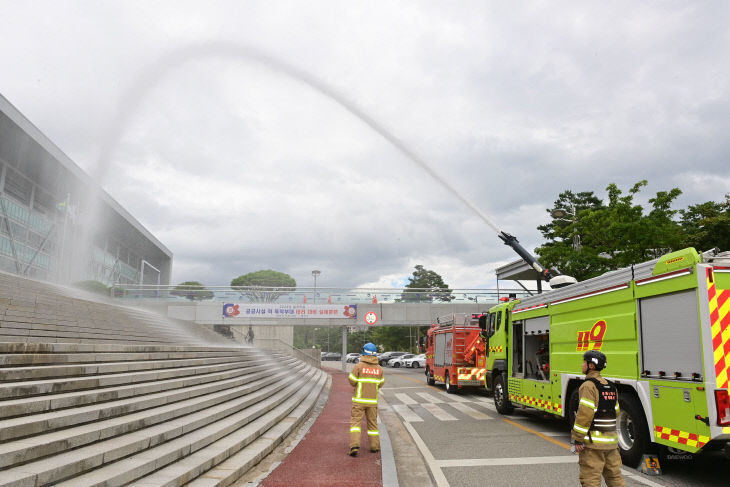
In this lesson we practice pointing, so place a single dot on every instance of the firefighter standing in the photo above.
(594, 431)
(367, 378)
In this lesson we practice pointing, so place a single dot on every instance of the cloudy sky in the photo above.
(249, 135)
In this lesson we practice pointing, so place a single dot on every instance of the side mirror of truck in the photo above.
(483, 322)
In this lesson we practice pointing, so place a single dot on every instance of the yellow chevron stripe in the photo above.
(719, 352)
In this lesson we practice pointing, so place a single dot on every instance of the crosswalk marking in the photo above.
(487, 403)
(438, 404)
(449, 398)
(406, 413)
(470, 411)
(405, 398)
(430, 398)
(438, 412)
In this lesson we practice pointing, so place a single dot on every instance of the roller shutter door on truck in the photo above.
(670, 334)
(439, 349)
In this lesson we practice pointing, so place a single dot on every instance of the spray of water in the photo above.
(133, 98)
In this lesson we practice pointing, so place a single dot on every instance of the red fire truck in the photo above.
(453, 346)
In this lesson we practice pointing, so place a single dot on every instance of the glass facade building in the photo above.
(44, 233)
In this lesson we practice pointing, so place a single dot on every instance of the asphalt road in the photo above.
(459, 440)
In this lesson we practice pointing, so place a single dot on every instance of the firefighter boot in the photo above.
(353, 451)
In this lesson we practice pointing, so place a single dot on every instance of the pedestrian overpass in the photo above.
(270, 314)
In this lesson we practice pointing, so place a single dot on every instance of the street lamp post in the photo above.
(563, 214)
(315, 273)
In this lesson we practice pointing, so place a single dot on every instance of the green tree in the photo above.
(398, 338)
(357, 339)
(707, 225)
(192, 290)
(564, 249)
(613, 235)
(263, 286)
(426, 286)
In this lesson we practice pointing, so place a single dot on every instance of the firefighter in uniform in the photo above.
(594, 432)
(367, 378)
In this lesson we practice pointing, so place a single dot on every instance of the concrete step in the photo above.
(52, 443)
(19, 374)
(20, 359)
(81, 460)
(35, 311)
(63, 348)
(51, 402)
(24, 426)
(11, 390)
(26, 329)
(226, 460)
(196, 452)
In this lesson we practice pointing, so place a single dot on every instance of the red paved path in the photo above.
(320, 458)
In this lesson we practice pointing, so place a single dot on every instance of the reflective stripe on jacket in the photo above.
(587, 407)
(367, 378)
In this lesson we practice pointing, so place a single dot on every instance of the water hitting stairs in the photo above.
(93, 394)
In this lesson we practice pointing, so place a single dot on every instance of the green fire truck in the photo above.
(664, 326)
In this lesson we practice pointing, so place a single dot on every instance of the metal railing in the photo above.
(281, 346)
(298, 295)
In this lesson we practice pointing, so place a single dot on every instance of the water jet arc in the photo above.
(132, 99)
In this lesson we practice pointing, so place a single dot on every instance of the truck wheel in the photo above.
(451, 389)
(572, 411)
(429, 377)
(501, 401)
(633, 433)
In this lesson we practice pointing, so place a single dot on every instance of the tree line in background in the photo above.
(587, 236)
(387, 338)
(260, 286)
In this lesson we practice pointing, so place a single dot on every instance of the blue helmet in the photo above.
(369, 349)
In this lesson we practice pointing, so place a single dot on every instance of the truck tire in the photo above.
(429, 377)
(572, 411)
(633, 433)
(501, 400)
(450, 388)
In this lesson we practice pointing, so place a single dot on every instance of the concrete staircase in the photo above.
(85, 406)
(39, 312)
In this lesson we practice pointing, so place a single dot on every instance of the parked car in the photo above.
(416, 361)
(332, 356)
(399, 361)
(383, 358)
(352, 358)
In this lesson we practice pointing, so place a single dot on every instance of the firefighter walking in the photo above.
(367, 378)
(594, 432)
